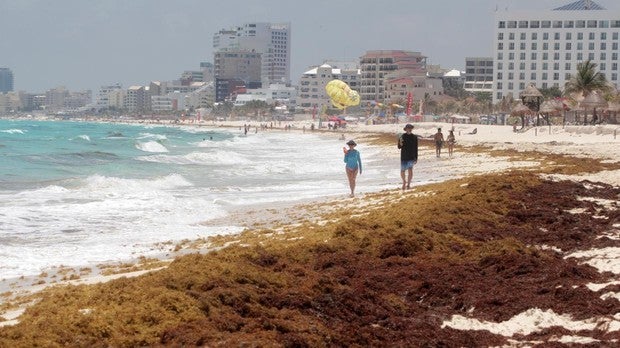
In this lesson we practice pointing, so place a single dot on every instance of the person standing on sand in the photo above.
(353, 164)
(408, 145)
(438, 137)
(451, 140)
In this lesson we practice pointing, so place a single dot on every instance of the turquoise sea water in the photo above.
(79, 193)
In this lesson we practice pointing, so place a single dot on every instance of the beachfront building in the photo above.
(271, 40)
(375, 66)
(103, 96)
(312, 94)
(235, 69)
(276, 94)
(544, 47)
(136, 99)
(9, 102)
(6, 80)
(478, 74)
(397, 88)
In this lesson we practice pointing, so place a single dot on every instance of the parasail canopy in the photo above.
(341, 95)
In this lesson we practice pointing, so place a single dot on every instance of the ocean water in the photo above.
(80, 194)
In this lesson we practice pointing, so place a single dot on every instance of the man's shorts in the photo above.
(404, 165)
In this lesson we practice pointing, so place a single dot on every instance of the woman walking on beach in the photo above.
(451, 140)
(353, 164)
(408, 145)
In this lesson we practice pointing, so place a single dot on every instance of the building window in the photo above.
(534, 55)
(591, 56)
(592, 24)
(556, 66)
(567, 56)
(511, 56)
(545, 56)
(614, 66)
(545, 66)
(569, 36)
(591, 36)
(522, 55)
(522, 85)
(500, 45)
(512, 24)
(569, 24)
(545, 24)
(557, 24)
(567, 76)
(615, 24)
(556, 46)
(579, 36)
(566, 66)
(510, 85)
(500, 36)
(545, 36)
(511, 76)
(500, 56)
(614, 56)
(511, 36)
(533, 66)
(544, 85)
(579, 46)
(511, 46)
(500, 76)
(614, 36)
(534, 36)
(499, 94)
(580, 24)
(522, 66)
(522, 24)
(603, 67)
(556, 56)
(579, 56)
(556, 76)
(556, 36)
(614, 77)
(500, 65)
(603, 46)
(534, 46)
(603, 56)
(568, 46)
(545, 46)
(614, 46)
(603, 36)
(511, 66)
(544, 76)
(533, 76)
(534, 24)
(522, 36)
(522, 46)
(522, 76)
(499, 85)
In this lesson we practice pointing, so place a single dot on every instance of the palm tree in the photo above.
(586, 81)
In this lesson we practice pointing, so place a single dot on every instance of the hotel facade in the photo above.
(544, 47)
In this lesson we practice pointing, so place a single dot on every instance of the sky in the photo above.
(84, 44)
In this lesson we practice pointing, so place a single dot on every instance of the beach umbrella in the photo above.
(520, 110)
(592, 101)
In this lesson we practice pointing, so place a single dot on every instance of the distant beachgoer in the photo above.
(451, 140)
(408, 145)
(342, 136)
(438, 137)
(353, 164)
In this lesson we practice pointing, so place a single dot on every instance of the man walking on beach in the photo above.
(408, 145)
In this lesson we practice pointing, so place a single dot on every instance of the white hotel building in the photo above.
(544, 47)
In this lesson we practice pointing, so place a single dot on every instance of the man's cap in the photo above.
(408, 126)
(351, 142)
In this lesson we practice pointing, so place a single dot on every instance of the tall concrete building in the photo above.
(544, 47)
(271, 40)
(6, 80)
(378, 66)
(478, 74)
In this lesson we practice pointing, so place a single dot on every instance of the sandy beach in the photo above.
(573, 171)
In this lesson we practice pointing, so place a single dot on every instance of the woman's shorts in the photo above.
(404, 165)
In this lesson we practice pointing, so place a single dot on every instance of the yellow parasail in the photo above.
(341, 95)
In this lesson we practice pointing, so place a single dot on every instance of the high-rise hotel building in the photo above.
(544, 47)
(271, 40)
